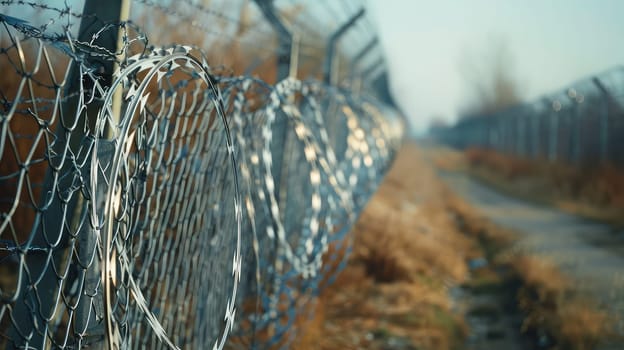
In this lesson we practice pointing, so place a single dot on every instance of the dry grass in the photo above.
(412, 242)
(446, 159)
(548, 300)
(551, 305)
(407, 253)
(593, 191)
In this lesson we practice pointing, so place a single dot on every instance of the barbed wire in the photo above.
(579, 124)
(144, 208)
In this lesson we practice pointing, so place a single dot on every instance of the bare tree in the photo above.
(490, 80)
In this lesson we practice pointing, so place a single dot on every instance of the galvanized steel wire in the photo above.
(150, 223)
(579, 124)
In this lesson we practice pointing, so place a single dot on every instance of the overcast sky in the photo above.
(552, 43)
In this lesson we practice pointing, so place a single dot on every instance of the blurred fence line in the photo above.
(581, 125)
(152, 199)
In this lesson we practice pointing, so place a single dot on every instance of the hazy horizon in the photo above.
(552, 44)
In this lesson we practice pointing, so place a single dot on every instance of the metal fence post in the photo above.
(538, 148)
(285, 37)
(575, 127)
(330, 77)
(31, 319)
(107, 12)
(580, 128)
(553, 148)
(284, 141)
(509, 135)
(611, 104)
(519, 135)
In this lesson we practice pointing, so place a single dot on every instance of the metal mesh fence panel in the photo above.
(578, 125)
(150, 200)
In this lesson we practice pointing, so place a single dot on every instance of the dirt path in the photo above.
(410, 281)
(589, 252)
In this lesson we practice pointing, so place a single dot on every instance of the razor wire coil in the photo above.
(146, 212)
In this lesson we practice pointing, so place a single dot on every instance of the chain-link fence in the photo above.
(153, 200)
(579, 125)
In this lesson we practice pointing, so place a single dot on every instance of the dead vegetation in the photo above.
(412, 245)
(596, 192)
(555, 314)
(406, 255)
(554, 311)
